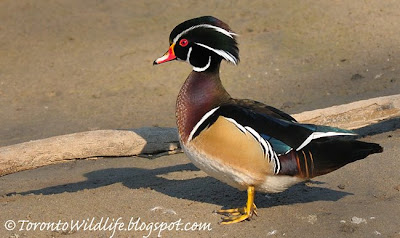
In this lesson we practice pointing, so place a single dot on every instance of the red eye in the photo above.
(183, 42)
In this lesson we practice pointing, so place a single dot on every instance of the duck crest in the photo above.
(201, 92)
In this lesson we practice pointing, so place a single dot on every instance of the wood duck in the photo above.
(244, 143)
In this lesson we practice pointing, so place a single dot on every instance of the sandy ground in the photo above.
(359, 200)
(69, 66)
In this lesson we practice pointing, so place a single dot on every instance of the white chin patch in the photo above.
(201, 69)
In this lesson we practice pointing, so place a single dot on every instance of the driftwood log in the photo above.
(354, 115)
(89, 144)
(153, 140)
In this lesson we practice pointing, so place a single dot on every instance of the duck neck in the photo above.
(201, 92)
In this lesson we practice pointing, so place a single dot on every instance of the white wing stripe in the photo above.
(207, 115)
(265, 145)
(260, 140)
(243, 129)
(269, 151)
(316, 135)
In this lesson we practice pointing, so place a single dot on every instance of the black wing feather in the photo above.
(263, 109)
(271, 123)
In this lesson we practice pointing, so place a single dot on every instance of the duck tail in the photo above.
(324, 156)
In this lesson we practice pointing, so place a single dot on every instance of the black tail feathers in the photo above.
(363, 149)
(324, 156)
(331, 155)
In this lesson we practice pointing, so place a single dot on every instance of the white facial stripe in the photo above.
(188, 55)
(198, 69)
(316, 135)
(224, 54)
(207, 115)
(219, 29)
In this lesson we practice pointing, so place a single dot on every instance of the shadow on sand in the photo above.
(203, 189)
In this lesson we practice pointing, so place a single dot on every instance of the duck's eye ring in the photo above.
(183, 42)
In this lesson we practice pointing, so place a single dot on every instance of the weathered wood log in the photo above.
(91, 144)
(354, 115)
(58, 149)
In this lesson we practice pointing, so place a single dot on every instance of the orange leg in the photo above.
(240, 214)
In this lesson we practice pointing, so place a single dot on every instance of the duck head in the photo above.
(202, 42)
